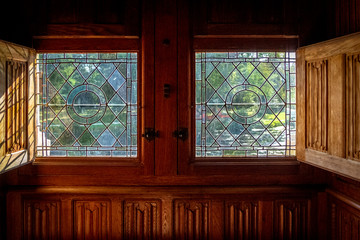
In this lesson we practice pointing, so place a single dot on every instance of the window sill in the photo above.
(13, 160)
(88, 161)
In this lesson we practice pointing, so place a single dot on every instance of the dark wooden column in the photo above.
(165, 75)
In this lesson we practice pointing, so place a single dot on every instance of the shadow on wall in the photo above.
(13, 160)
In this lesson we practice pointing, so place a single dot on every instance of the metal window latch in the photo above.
(181, 133)
(150, 134)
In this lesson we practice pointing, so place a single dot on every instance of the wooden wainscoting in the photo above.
(162, 213)
(345, 216)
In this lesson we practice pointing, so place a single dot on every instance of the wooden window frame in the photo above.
(231, 166)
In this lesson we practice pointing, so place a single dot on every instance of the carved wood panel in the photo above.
(353, 106)
(292, 219)
(142, 219)
(317, 105)
(41, 219)
(241, 220)
(191, 219)
(345, 219)
(92, 219)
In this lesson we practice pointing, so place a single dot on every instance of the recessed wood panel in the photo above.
(353, 106)
(241, 220)
(41, 219)
(92, 219)
(344, 218)
(292, 219)
(142, 219)
(191, 219)
(317, 105)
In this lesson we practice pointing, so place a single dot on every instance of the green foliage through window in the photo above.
(245, 104)
(87, 104)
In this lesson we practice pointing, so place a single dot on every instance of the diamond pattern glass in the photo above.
(245, 104)
(87, 104)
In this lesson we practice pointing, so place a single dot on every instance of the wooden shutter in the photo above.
(328, 105)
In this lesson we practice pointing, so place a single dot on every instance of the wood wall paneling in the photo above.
(353, 106)
(191, 219)
(41, 219)
(241, 220)
(292, 219)
(345, 217)
(142, 219)
(92, 219)
(317, 105)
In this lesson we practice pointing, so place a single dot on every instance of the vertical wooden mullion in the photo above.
(147, 102)
(166, 73)
(186, 84)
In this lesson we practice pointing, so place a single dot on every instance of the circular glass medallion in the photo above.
(246, 103)
(86, 104)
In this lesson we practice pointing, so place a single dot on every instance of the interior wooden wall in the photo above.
(101, 203)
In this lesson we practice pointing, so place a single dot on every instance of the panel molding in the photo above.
(317, 105)
(345, 216)
(241, 220)
(142, 219)
(41, 219)
(191, 219)
(92, 219)
(353, 106)
(292, 219)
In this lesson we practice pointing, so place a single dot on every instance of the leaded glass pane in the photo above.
(245, 104)
(87, 104)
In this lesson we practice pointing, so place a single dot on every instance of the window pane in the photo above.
(245, 104)
(87, 104)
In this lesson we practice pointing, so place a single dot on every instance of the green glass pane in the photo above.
(77, 129)
(246, 139)
(75, 79)
(96, 129)
(245, 68)
(122, 116)
(122, 68)
(65, 90)
(56, 127)
(268, 90)
(63, 115)
(108, 90)
(57, 103)
(116, 104)
(96, 78)
(66, 139)
(266, 69)
(116, 128)
(266, 139)
(86, 139)
(235, 78)
(56, 80)
(107, 55)
(215, 79)
(256, 78)
(66, 69)
(225, 69)
(108, 117)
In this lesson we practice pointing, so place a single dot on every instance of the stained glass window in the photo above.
(87, 104)
(245, 104)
